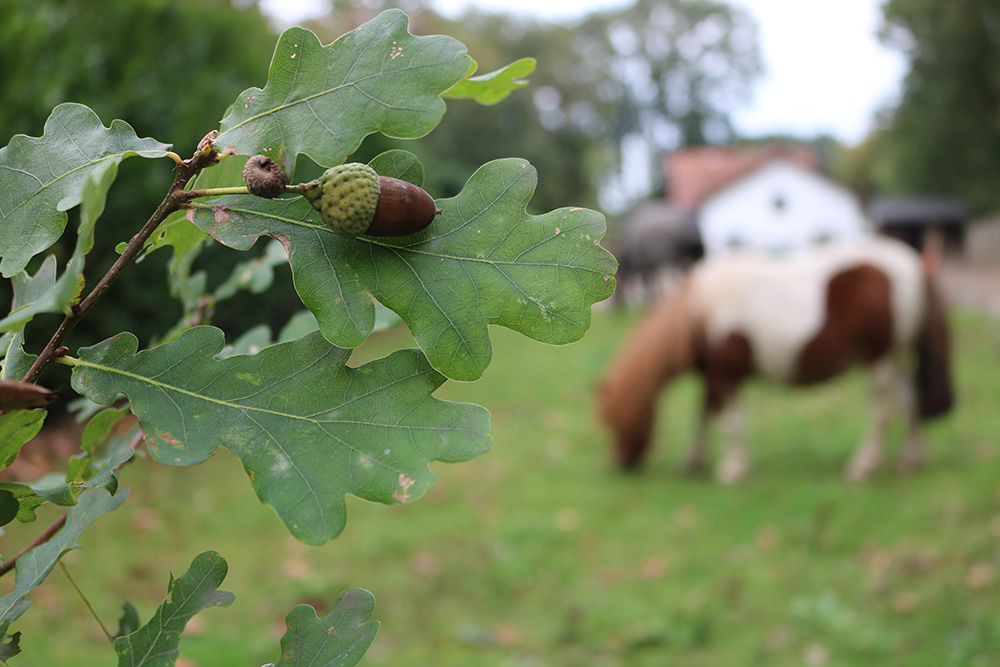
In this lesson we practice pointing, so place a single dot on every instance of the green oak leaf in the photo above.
(27, 500)
(324, 100)
(128, 622)
(16, 362)
(157, 644)
(489, 89)
(43, 177)
(254, 276)
(300, 324)
(84, 472)
(482, 261)
(17, 427)
(10, 645)
(35, 565)
(99, 428)
(339, 639)
(252, 341)
(9, 507)
(307, 428)
(43, 292)
(400, 164)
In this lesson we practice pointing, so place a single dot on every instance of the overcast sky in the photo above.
(825, 70)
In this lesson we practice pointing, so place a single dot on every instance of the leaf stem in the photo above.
(212, 192)
(188, 195)
(186, 170)
(86, 602)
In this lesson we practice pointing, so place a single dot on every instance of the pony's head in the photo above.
(659, 348)
(629, 423)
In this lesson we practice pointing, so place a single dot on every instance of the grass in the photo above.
(538, 553)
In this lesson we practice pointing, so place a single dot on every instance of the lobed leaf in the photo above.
(492, 88)
(34, 566)
(339, 639)
(43, 292)
(322, 101)
(482, 261)
(43, 177)
(157, 644)
(27, 500)
(10, 645)
(307, 428)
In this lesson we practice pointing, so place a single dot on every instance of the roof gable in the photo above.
(695, 174)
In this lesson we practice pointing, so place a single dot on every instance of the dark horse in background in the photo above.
(798, 320)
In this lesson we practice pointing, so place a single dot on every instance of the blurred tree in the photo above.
(170, 68)
(944, 136)
(671, 71)
(662, 73)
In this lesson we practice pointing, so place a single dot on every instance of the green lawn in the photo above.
(539, 553)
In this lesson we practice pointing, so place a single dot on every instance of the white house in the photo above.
(778, 207)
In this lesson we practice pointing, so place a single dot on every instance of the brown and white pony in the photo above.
(797, 320)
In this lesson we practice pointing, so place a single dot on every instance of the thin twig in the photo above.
(44, 537)
(86, 602)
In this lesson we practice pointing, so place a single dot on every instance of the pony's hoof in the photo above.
(731, 472)
(859, 473)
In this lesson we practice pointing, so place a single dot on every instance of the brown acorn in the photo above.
(264, 177)
(17, 395)
(353, 200)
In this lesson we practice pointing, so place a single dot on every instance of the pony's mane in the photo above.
(661, 347)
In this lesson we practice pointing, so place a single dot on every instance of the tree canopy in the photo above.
(944, 136)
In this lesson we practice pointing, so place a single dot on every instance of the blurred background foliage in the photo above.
(943, 136)
(169, 68)
(658, 74)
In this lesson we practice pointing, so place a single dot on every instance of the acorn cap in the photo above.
(345, 197)
(264, 177)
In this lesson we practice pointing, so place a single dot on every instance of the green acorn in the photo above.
(352, 200)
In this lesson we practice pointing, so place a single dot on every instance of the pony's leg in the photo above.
(697, 460)
(883, 377)
(912, 454)
(734, 464)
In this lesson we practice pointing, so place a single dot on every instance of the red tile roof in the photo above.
(694, 174)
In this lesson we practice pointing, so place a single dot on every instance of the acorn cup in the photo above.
(264, 177)
(352, 200)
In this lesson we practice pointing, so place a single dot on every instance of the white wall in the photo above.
(777, 209)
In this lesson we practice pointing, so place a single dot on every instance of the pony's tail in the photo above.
(933, 373)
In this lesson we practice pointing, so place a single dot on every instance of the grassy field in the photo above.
(538, 553)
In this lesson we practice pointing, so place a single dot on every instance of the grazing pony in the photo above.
(797, 320)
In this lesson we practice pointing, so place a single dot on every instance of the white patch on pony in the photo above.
(779, 304)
